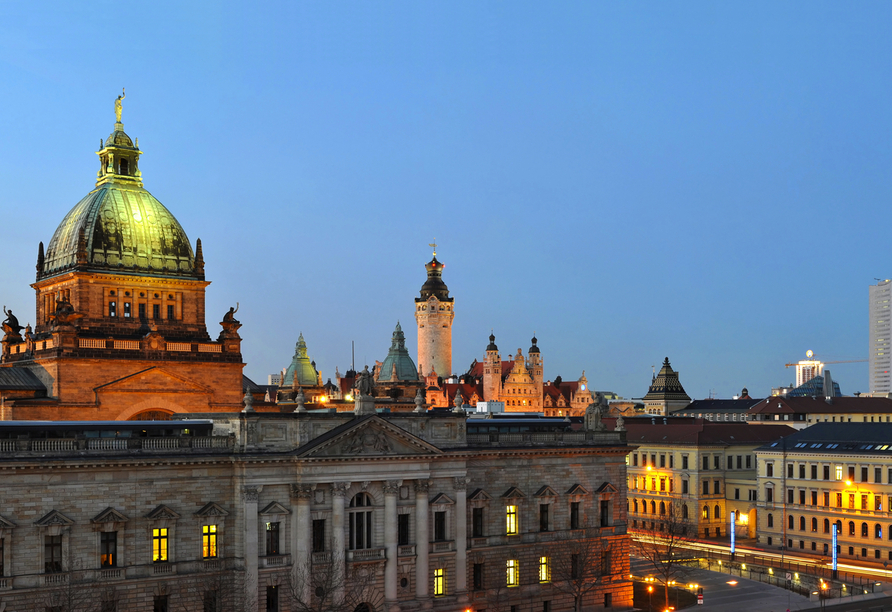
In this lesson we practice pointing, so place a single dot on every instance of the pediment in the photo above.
(577, 489)
(479, 495)
(545, 491)
(53, 517)
(152, 380)
(109, 515)
(6, 523)
(162, 512)
(275, 508)
(367, 436)
(607, 488)
(212, 509)
(513, 492)
(441, 499)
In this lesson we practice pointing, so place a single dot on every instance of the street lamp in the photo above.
(650, 598)
(823, 595)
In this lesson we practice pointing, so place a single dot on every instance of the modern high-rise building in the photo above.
(880, 357)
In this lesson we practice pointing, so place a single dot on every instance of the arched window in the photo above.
(684, 511)
(706, 512)
(123, 167)
(791, 522)
(851, 528)
(771, 520)
(653, 507)
(801, 523)
(662, 508)
(878, 531)
(717, 513)
(863, 530)
(826, 525)
(839, 527)
(814, 525)
(635, 503)
(361, 522)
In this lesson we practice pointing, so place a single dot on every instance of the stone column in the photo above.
(391, 489)
(460, 484)
(338, 543)
(301, 562)
(251, 496)
(422, 541)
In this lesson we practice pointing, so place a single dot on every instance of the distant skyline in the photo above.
(708, 182)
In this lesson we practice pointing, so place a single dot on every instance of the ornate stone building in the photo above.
(270, 511)
(120, 320)
(434, 312)
(665, 395)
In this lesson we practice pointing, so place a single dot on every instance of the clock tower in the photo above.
(434, 313)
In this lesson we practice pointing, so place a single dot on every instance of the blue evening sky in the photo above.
(704, 181)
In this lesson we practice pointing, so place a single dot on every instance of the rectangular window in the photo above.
(159, 604)
(477, 522)
(272, 599)
(736, 493)
(543, 517)
(159, 545)
(790, 470)
(769, 494)
(546, 606)
(769, 469)
(605, 563)
(802, 471)
(605, 512)
(864, 504)
(852, 473)
(878, 475)
(838, 472)
(574, 566)
(272, 538)
(863, 474)
(671, 462)
(478, 576)
(112, 309)
(635, 459)
(801, 497)
(839, 500)
(512, 573)
(851, 501)
(739, 462)
(544, 570)
(318, 535)
(684, 462)
(142, 311)
(705, 462)
(127, 312)
(439, 526)
(653, 460)
(684, 487)
(716, 487)
(574, 515)
(511, 520)
(749, 461)
(402, 528)
(717, 462)
(209, 541)
(878, 502)
(156, 311)
(705, 487)
(814, 498)
(439, 582)
(108, 549)
(814, 472)
(171, 313)
(826, 498)
(662, 484)
(789, 496)
(826, 472)
(662, 460)
(52, 554)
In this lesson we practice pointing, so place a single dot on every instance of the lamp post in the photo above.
(823, 595)
(650, 598)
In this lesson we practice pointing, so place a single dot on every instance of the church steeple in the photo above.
(118, 155)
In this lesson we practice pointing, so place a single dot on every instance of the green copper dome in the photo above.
(398, 358)
(302, 366)
(119, 226)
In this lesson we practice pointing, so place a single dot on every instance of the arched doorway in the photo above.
(364, 607)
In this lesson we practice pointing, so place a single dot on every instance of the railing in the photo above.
(53, 579)
(321, 557)
(62, 444)
(5, 583)
(275, 560)
(478, 542)
(212, 565)
(42, 445)
(406, 551)
(162, 568)
(160, 443)
(126, 345)
(91, 343)
(111, 574)
(210, 348)
(7, 446)
(529, 438)
(107, 444)
(210, 442)
(442, 547)
(367, 554)
(179, 346)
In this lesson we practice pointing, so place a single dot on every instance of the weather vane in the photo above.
(433, 245)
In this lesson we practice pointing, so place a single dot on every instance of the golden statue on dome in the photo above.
(119, 106)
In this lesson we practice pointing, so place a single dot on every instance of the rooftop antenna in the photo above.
(353, 355)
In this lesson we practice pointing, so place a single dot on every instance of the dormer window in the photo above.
(123, 167)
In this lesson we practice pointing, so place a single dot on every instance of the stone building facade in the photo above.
(434, 312)
(256, 511)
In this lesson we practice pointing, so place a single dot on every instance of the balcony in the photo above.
(162, 569)
(112, 573)
(441, 547)
(275, 561)
(405, 551)
(366, 554)
(321, 558)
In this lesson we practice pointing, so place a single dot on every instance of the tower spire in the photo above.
(433, 245)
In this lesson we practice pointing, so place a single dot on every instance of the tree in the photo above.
(659, 541)
(577, 565)
(326, 587)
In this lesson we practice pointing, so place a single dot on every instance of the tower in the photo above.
(879, 352)
(536, 367)
(492, 372)
(434, 314)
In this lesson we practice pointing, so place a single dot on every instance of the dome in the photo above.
(398, 360)
(434, 285)
(118, 138)
(301, 366)
(125, 228)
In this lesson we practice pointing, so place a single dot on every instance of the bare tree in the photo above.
(660, 540)
(577, 565)
(73, 590)
(220, 591)
(325, 587)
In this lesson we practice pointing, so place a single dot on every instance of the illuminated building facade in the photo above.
(665, 395)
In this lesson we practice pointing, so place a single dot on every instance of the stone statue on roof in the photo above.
(363, 382)
(11, 324)
(65, 316)
(119, 106)
(593, 418)
(230, 324)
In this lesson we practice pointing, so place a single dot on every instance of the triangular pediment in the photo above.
(479, 495)
(607, 488)
(441, 499)
(152, 380)
(367, 436)
(6, 523)
(109, 515)
(212, 509)
(513, 492)
(577, 489)
(162, 512)
(53, 517)
(275, 508)
(545, 491)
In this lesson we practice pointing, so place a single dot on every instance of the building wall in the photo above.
(879, 350)
(434, 319)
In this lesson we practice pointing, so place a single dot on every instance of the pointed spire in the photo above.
(199, 258)
(40, 259)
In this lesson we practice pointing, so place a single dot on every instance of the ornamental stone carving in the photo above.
(460, 483)
(392, 487)
(339, 489)
(301, 491)
(422, 486)
(251, 494)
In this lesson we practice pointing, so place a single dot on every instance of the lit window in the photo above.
(108, 548)
(439, 582)
(513, 578)
(511, 520)
(209, 541)
(159, 545)
(838, 472)
(544, 570)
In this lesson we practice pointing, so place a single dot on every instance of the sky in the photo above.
(708, 182)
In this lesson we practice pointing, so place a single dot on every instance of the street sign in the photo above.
(700, 596)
